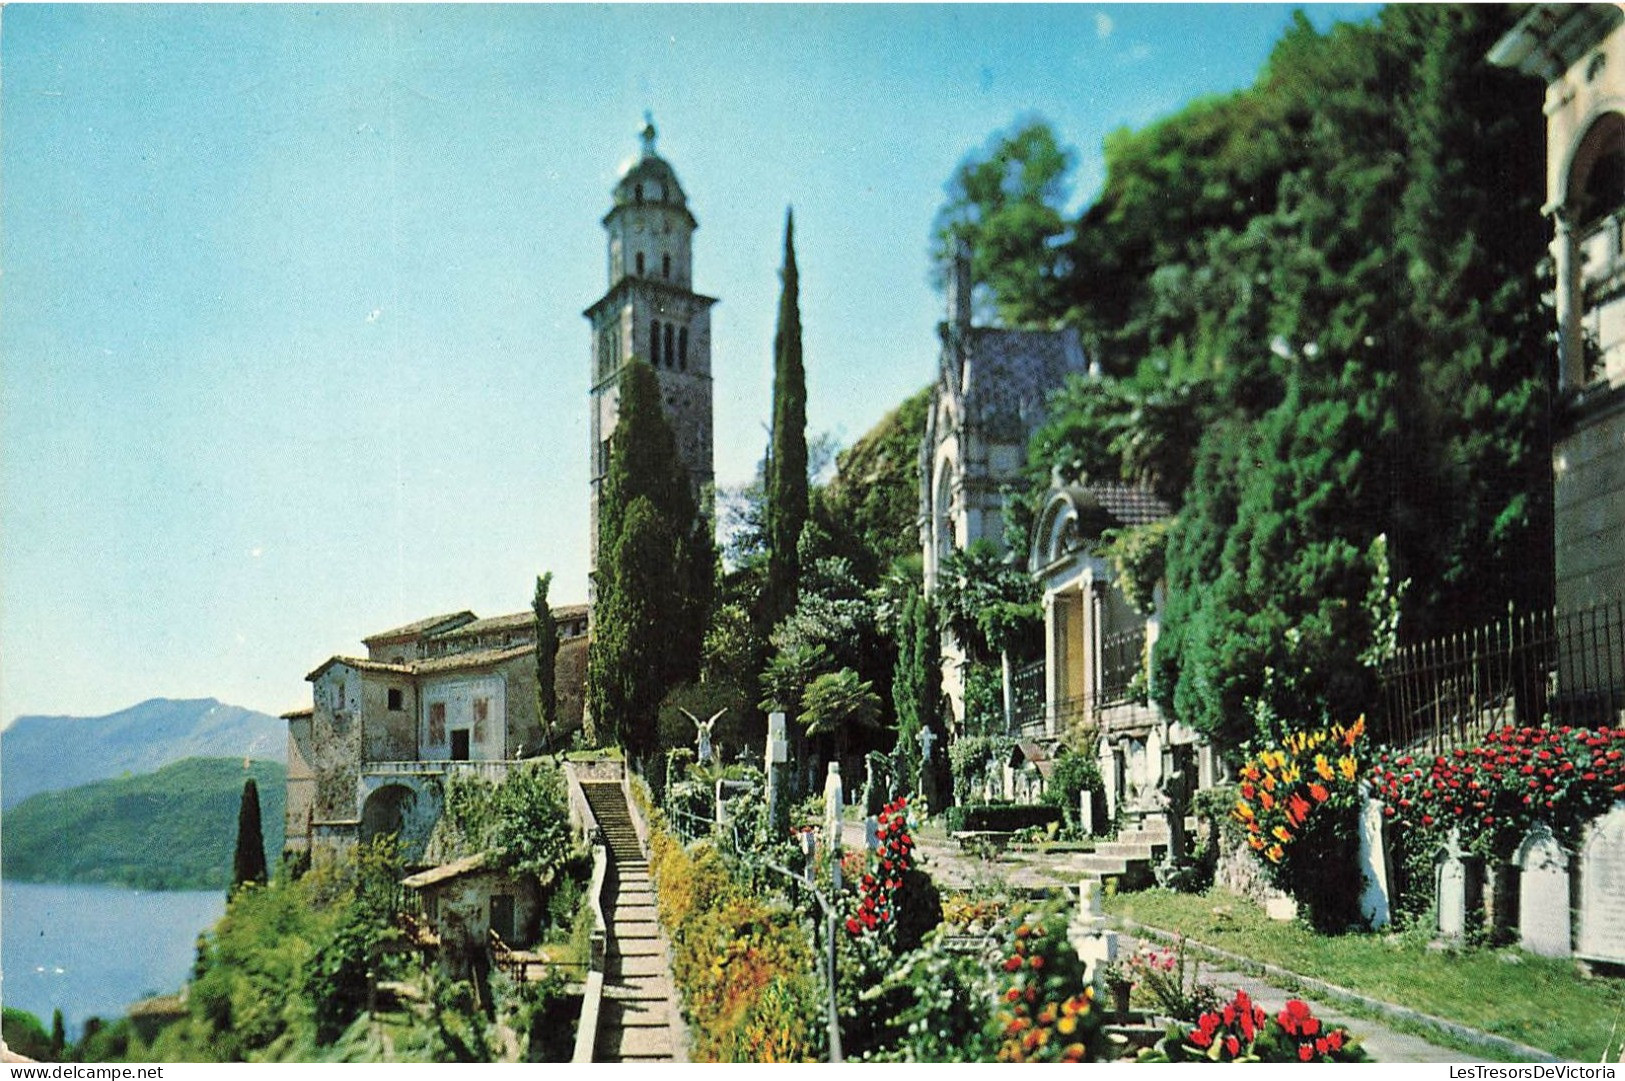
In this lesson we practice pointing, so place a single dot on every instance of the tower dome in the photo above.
(648, 178)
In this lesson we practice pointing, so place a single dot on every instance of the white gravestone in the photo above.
(1602, 889)
(1373, 867)
(1095, 943)
(1543, 894)
(1452, 883)
(834, 796)
(1108, 776)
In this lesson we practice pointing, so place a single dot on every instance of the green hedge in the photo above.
(1004, 817)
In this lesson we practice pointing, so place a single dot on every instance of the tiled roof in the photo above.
(453, 662)
(1128, 504)
(445, 872)
(516, 621)
(361, 664)
(1013, 373)
(430, 625)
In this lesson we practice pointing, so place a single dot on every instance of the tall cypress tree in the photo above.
(917, 687)
(547, 655)
(787, 459)
(248, 862)
(656, 561)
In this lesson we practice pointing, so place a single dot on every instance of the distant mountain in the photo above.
(45, 754)
(175, 829)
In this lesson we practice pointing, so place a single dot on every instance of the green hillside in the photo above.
(170, 830)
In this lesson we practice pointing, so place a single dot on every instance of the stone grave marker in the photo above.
(1602, 889)
(1373, 867)
(1543, 894)
(1452, 886)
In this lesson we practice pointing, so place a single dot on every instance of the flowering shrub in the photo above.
(1282, 786)
(964, 914)
(1494, 793)
(744, 966)
(878, 888)
(1298, 806)
(1045, 1011)
(1515, 777)
(1243, 1031)
(1158, 974)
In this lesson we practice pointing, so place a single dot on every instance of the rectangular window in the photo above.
(437, 723)
(396, 699)
(682, 348)
(669, 352)
(654, 342)
(459, 745)
(482, 711)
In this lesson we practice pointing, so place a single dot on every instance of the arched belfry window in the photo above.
(669, 352)
(665, 265)
(640, 264)
(682, 348)
(654, 342)
(1596, 182)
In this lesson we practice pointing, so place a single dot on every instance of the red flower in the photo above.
(1232, 1046)
(1305, 1052)
(1012, 963)
(853, 926)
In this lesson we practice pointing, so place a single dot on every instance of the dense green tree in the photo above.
(838, 704)
(786, 484)
(656, 570)
(1315, 302)
(1005, 205)
(248, 861)
(917, 685)
(874, 498)
(59, 1035)
(547, 656)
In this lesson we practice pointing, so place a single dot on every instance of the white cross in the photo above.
(927, 739)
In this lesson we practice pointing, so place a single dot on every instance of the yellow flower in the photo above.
(1067, 1025)
(1323, 767)
(1243, 810)
(1347, 767)
(1290, 775)
(1282, 834)
(1274, 853)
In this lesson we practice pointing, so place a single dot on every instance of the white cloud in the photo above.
(375, 315)
(1103, 25)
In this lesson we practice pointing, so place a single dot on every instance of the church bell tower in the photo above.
(652, 313)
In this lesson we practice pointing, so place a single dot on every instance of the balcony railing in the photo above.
(493, 770)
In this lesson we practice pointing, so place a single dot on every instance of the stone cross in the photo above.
(927, 739)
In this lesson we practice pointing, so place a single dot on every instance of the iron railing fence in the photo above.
(1122, 665)
(1527, 668)
(1122, 674)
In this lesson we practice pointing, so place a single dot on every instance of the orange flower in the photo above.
(1318, 791)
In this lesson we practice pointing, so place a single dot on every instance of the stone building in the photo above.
(651, 312)
(1579, 51)
(990, 396)
(450, 693)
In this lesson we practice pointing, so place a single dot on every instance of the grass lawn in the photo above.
(1535, 1000)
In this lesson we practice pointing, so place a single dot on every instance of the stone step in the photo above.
(635, 929)
(1130, 850)
(635, 913)
(635, 1013)
(645, 991)
(1103, 865)
(635, 1044)
(629, 966)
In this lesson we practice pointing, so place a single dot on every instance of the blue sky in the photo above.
(291, 322)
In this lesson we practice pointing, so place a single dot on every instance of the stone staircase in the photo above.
(1130, 858)
(637, 1021)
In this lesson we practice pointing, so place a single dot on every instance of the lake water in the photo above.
(90, 951)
